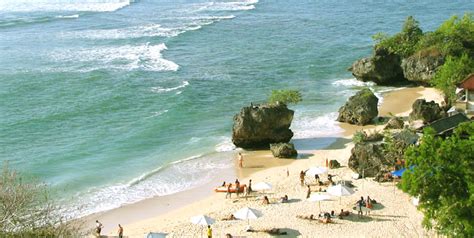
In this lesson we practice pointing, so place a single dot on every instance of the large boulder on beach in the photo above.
(422, 66)
(360, 109)
(395, 123)
(383, 68)
(283, 150)
(256, 127)
(368, 159)
(426, 111)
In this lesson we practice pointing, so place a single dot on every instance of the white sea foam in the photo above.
(229, 6)
(127, 57)
(309, 126)
(68, 16)
(148, 30)
(158, 113)
(162, 89)
(225, 145)
(352, 82)
(62, 5)
(167, 179)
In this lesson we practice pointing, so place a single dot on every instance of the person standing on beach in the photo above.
(237, 187)
(308, 193)
(241, 160)
(120, 231)
(209, 231)
(228, 194)
(250, 186)
(302, 177)
(98, 227)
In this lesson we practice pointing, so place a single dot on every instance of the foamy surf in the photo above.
(128, 57)
(148, 30)
(62, 5)
(162, 89)
(352, 82)
(168, 179)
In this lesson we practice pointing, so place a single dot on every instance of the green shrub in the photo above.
(285, 96)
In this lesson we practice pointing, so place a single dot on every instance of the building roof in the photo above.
(468, 82)
(447, 124)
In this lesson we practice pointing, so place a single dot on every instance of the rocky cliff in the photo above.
(421, 67)
(383, 68)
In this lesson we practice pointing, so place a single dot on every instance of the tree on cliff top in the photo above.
(443, 180)
(404, 42)
(285, 96)
(26, 209)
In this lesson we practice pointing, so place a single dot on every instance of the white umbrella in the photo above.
(316, 170)
(340, 190)
(155, 235)
(202, 220)
(318, 197)
(262, 186)
(247, 213)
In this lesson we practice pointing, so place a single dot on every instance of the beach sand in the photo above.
(397, 218)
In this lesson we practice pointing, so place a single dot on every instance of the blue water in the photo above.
(111, 102)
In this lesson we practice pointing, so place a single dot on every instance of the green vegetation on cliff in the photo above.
(285, 96)
(453, 40)
(443, 179)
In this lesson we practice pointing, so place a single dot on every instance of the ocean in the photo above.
(114, 101)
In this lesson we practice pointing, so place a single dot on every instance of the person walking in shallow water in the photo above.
(241, 160)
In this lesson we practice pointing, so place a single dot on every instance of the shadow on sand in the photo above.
(321, 143)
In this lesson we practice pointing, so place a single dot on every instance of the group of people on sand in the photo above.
(99, 226)
(316, 178)
(365, 203)
(247, 189)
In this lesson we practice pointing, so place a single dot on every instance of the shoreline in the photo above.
(163, 213)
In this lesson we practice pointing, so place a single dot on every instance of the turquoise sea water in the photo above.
(111, 102)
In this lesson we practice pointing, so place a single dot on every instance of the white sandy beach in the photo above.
(397, 218)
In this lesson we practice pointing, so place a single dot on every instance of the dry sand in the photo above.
(398, 218)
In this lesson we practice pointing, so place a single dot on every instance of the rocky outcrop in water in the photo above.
(383, 68)
(256, 127)
(421, 67)
(283, 150)
(360, 109)
(426, 111)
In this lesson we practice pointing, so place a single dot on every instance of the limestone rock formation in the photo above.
(383, 68)
(256, 127)
(283, 150)
(426, 111)
(368, 159)
(395, 123)
(421, 67)
(360, 109)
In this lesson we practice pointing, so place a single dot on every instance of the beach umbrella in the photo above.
(247, 213)
(340, 190)
(155, 235)
(316, 170)
(202, 220)
(318, 197)
(262, 186)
